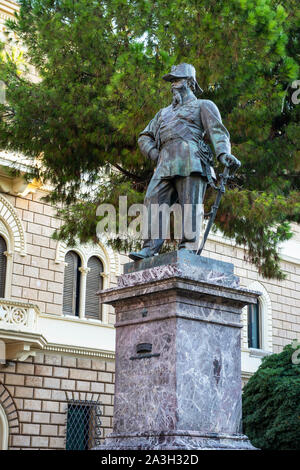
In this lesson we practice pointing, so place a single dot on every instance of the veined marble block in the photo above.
(178, 358)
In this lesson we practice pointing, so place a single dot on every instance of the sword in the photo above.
(213, 212)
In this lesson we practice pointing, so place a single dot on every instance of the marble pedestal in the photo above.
(178, 357)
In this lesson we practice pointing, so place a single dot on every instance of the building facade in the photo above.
(57, 341)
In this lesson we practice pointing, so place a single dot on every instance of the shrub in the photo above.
(271, 403)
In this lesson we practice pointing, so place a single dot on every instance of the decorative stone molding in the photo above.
(15, 186)
(4, 430)
(5, 234)
(13, 231)
(9, 258)
(91, 353)
(19, 351)
(84, 270)
(61, 250)
(266, 319)
(18, 186)
(21, 334)
(18, 315)
(109, 258)
(14, 160)
(19, 329)
(8, 405)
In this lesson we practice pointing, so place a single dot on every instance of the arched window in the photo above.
(4, 430)
(254, 326)
(93, 285)
(71, 284)
(3, 261)
(257, 319)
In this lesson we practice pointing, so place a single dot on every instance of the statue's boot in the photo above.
(144, 253)
(189, 246)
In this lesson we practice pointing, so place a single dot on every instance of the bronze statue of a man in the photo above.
(177, 138)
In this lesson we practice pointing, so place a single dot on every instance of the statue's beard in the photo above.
(178, 94)
(177, 98)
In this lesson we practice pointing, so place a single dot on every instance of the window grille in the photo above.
(83, 425)
(71, 284)
(93, 285)
(3, 261)
(254, 321)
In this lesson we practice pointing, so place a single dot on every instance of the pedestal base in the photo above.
(176, 441)
(178, 355)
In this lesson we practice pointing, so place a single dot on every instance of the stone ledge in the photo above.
(177, 440)
(192, 287)
(181, 263)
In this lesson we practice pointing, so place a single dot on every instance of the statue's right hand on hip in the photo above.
(230, 161)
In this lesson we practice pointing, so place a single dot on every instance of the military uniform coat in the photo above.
(181, 135)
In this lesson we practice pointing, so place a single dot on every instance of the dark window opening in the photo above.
(83, 425)
(3, 262)
(71, 293)
(254, 327)
(94, 283)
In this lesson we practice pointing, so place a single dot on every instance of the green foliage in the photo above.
(271, 407)
(101, 63)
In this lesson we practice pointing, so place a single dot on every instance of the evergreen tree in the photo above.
(100, 64)
(271, 407)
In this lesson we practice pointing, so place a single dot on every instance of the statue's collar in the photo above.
(189, 100)
(194, 99)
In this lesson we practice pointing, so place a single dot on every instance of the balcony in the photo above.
(19, 332)
(24, 330)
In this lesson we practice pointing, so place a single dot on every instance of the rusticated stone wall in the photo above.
(37, 393)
